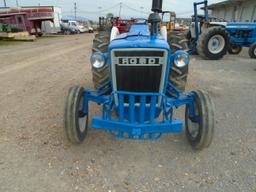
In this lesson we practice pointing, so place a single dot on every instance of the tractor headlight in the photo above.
(98, 60)
(181, 58)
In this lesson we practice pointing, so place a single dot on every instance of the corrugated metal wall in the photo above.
(244, 12)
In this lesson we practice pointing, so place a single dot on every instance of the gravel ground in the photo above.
(36, 156)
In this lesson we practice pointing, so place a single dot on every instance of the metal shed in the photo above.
(235, 10)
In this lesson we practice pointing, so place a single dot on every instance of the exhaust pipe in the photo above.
(157, 6)
(154, 18)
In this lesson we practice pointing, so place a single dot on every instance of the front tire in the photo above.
(252, 51)
(234, 49)
(76, 122)
(200, 131)
(178, 76)
(213, 43)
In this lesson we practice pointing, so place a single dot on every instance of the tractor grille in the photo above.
(138, 70)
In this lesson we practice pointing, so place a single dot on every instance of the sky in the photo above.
(92, 9)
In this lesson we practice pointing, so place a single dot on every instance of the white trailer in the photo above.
(49, 27)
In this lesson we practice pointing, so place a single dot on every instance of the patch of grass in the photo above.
(8, 42)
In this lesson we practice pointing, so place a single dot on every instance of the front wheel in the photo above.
(200, 126)
(252, 51)
(76, 121)
(234, 49)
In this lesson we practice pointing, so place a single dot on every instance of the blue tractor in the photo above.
(207, 36)
(213, 38)
(136, 89)
(242, 35)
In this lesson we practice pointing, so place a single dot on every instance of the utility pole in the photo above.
(75, 9)
(17, 3)
(120, 9)
(99, 11)
(5, 3)
(141, 11)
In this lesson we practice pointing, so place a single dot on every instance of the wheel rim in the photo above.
(194, 127)
(82, 117)
(216, 44)
(235, 49)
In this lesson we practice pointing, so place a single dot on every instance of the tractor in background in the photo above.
(242, 35)
(168, 20)
(176, 37)
(208, 39)
(213, 38)
(136, 88)
(123, 25)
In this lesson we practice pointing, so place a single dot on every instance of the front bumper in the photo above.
(131, 131)
(139, 117)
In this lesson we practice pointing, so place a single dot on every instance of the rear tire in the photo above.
(213, 43)
(178, 76)
(200, 131)
(100, 44)
(252, 51)
(234, 49)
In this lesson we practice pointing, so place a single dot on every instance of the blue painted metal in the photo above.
(139, 120)
(137, 40)
(136, 115)
(142, 40)
(206, 16)
(242, 34)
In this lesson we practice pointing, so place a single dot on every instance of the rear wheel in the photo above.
(252, 51)
(213, 43)
(100, 44)
(178, 76)
(76, 121)
(234, 49)
(200, 128)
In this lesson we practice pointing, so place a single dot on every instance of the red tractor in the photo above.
(123, 25)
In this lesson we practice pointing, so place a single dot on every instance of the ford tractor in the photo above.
(207, 37)
(138, 88)
(242, 35)
(212, 38)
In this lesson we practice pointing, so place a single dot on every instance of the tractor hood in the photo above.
(241, 26)
(138, 37)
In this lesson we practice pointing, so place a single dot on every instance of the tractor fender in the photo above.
(221, 24)
(114, 33)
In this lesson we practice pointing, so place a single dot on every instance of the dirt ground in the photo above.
(36, 156)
